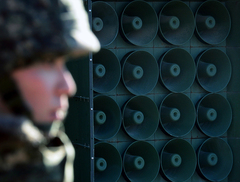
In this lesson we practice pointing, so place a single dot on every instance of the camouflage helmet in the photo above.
(33, 30)
(39, 30)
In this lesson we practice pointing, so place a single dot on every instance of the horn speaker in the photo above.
(178, 160)
(177, 114)
(139, 72)
(106, 71)
(140, 117)
(108, 162)
(105, 23)
(139, 23)
(214, 115)
(177, 70)
(213, 22)
(213, 70)
(176, 22)
(107, 117)
(215, 159)
(141, 162)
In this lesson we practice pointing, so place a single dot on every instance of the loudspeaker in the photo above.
(140, 117)
(107, 117)
(106, 71)
(214, 115)
(178, 160)
(177, 114)
(139, 72)
(215, 159)
(213, 22)
(105, 23)
(213, 70)
(141, 162)
(108, 163)
(176, 22)
(139, 23)
(177, 70)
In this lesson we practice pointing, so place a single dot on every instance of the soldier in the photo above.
(36, 36)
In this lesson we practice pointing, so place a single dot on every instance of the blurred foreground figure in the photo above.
(35, 38)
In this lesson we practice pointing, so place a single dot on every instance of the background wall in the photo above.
(160, 101)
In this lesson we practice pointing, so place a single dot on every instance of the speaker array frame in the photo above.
(135, 45)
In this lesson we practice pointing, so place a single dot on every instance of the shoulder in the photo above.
(20, 129)
(19, 142)
(25, 150)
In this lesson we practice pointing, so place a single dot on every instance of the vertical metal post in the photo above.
(89, 6)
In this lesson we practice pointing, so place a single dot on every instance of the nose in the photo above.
(66, 84)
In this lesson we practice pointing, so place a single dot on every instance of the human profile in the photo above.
(36, 38)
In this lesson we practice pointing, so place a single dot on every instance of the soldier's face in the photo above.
(45, 87)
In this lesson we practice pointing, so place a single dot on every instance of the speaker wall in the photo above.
(107, 117)
(214, 115)
(213, 70)
(105, 23)
(215, 159)
(177, 70)
(141, 162)
(139, 72)
(178, 160)
(140, 117)
(213, 22)
(106, 71)
(177, 114)
(176, 22)
(108, 162)
(139, 23)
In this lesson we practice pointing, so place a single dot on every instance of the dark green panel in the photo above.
(77, 123)
(234, 36)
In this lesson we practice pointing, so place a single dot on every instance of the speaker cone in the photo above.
(141, 162)
(177, 114)
(106, 71)
(105, 23)
(139, 72)
(213, 22)
(213, 70)
(215, 159)
(176, 22)
(139, 23)
(177, 70)
(140, 117)
(107, 117)
(178, 160)
(214, 115)
(108, 163)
